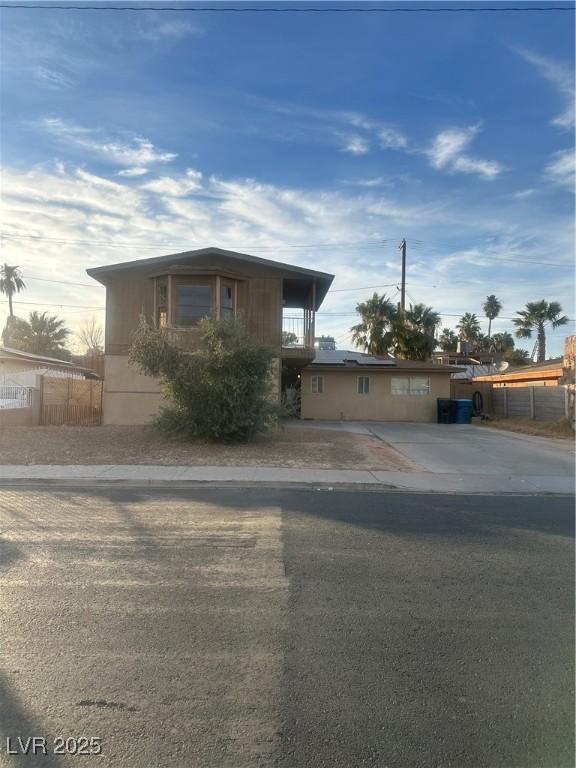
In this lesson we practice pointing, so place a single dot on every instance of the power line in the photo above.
(188, 245)
(64, 282)
(363, 288)
(292, 9)
(62, 306)
(262, 248)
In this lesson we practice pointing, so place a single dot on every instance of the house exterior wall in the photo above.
(340, 400)
(130, 295)
(129, 398)
(14, 366)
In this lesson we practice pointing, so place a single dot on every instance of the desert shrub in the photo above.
(222, 391)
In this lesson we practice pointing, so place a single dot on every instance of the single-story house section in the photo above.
(352, 386)
(16, 362)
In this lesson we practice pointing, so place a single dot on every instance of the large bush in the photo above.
(222, 391)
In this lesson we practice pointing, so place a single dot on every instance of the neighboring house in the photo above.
(177, 290)
(458, 358)
(342, 385)
(547, 374)
(480, 364)
(14, 362)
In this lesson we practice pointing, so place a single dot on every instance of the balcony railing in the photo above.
(298, 329)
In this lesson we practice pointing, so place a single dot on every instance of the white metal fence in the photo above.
(14, 396)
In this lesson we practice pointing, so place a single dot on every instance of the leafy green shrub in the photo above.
(222, 391)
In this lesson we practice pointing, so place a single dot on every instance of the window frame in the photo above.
(191, 281)
(231, 285)
(409, 390)
(362, 391)
(319, 380)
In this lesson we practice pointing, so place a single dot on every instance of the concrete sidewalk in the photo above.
(145, 475)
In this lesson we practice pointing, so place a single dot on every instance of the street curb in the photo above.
(264, 485)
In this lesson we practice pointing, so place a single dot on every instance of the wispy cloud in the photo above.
(73, 212)
(448, 152)
(53, 78)
(174, 30)
(133, 151)
(354, 132)
(355, 145)
(131, 172)
(562, 78)
(386, 136)
(180, 186)
(524, 193)
(562, 169)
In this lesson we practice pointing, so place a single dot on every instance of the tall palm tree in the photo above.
(491, 308)
(414, 331)
(10, 283)
(374, 332)
(468, 327)
(41, 334)
(535, 317)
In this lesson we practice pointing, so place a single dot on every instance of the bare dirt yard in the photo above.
(296, 448)
(561, 429)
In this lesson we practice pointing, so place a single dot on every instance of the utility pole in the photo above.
(402, 248)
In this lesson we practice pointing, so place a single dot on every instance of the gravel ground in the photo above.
(297, 448)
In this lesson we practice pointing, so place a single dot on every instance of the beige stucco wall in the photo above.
(131, 398)
(340, 400)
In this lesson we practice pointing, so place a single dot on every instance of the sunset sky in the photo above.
(316, 139)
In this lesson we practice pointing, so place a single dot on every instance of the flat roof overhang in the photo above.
(304, 279)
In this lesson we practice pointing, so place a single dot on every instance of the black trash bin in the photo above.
(444, 406)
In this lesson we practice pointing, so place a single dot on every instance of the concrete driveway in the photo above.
(475, 452)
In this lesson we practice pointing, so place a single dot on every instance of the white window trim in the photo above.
(358, 392)
(318, 378)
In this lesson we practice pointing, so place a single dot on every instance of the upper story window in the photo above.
(183, 300)
(363, 385)
(193, 302)
(162, 305)
(226, 299)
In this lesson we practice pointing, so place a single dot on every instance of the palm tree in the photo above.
(447, 341)
(374, 333)
(414, 331)
(534, 318)
(502, 342)
(468, 327)
(491, 308)
(41, 334)
(10, 283)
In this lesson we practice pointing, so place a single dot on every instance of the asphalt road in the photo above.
(250, 627)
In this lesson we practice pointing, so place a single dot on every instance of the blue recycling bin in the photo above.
(462, 411)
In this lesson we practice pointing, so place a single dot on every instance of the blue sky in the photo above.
(319, 140)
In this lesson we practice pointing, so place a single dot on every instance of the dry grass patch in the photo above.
(562, 428)
(296, 448)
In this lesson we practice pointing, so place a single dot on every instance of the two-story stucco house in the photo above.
(277, 302)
